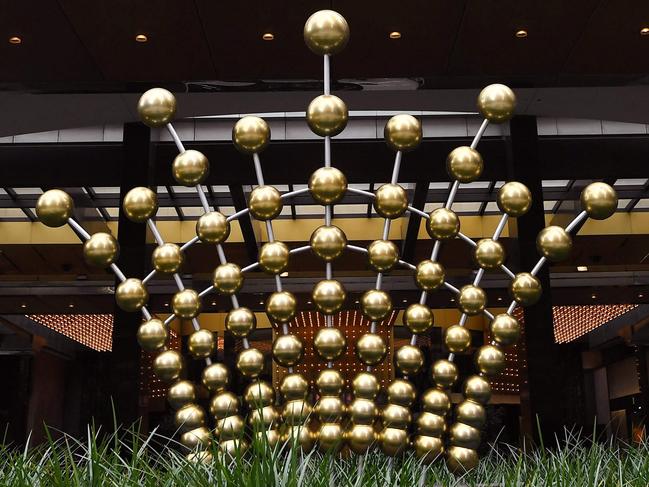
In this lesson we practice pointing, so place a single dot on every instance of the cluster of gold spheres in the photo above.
(440, 432)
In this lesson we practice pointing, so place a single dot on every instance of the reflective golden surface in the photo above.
(213, 227)
(429, 275)
(525, 289)
(327, 115)
(444, 373)
(215, 377)
(489, 253)
(409, 359)
(223, 405)
(599, 200)
(54, 208)
(477, 389)
(428, 448)
(250, 362)
(326, 32)
(490, 360)
(360, 438)
(328, 296)
(505, 329)
(401, 392)
(330, 382)
(167, 258)
(496, 103)
(330, 437)
(436, 401)
(265, 203)
(393, 441)
(471, 413)
(330, 409)
(152, 335)
(363, 411)
(365, 385)
(273, 257)
(328, 242)
(472, 300)
(287, 350)
(101, 250)
(457, 338)
(418, 318)
(167, 365)
(329, 343)
(554, 243)
(294, 386)
(443, 224)
(259, 394)
(281, 306)
(131, 295)
(240, 322)
(201, 343)
(157, 107)
(371, 349)
(140, 204)
(403, 132)
(391, 201)
(186, 304)
(327, 185)
(464, 435)
(376, 304)
(190, 168)
(382, 255)
(227, 279)
(189, 417)
(181, 393)
(251, 134)
(464, 164)
(514, 198)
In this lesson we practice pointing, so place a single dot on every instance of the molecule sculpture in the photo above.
(440, 432)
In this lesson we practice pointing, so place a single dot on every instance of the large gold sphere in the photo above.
(190, 168)
(296, 412)
(409, 359)
(444, 373)
(263, 418)
(101, 250)
(327, 115)
(265, 203)
(371, 349)
(472, 300)
(418, 318)
(189, 417)
(490, 360)
(251, 134)
(403, 132)
(215, 377)
(198, 437)
(363, 411)
(431, 424)
(327, 185)
(525, 289)
(273, 257)
(240, 322)
(288, 350)
(477, 389)
(330, 409)
(328, 296)
(554, 243)
(331, 437)
(330, 382)
(213, 227)
(464, 435)
(152, 335)
(250, 362)
(281, 306)
(227, 278)
(186, 304)
(54, 208)
(391, 201)
(401, 392)
(167, 258)
(181, 393)
(429, 275)
(599, 200)
(140, 204)
(382, 255)
(376, 304)
(167, 365)
(329, 343)
(201, 343)
(443, 224)
(514, 198)
(460, 460)
(326, 32)
(294, 386)
(360, 438)
(230, 450)
(299, 435)
(156, 107)
(229, 428)
(436, 401)
(393, 441)
(269, 437)
(202, 457)
(471, 413)
(457, 338)
(223, 405)
(259, 394)
(489, 253)
(464, 164)
(428, 448)
(505, 329)
(496, 103)
(131, 294)
(328, 242)
(365, 385)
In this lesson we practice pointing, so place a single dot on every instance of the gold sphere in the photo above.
(443, 224)
(167, 258)
(229, 428)
(393, 441)
(259, 394)
(464, 435)
(444, 373)
(477, 389)
(230, 450)
(269, 437)
(418, 318)
(299, 435)
(496, 103)
(263, 418)
(197, 438)
(152, 335)
(430, 424)
(371, 349)
(464, 164)
(227, 279)
(436, 401)
(428, 448)
(472, 300)
(202, 457)
(525, 289)
(327, 185)
(273, 257)
(514, 198)
(167, 365)
(363, 411)
(382, 255)
(554, 243)
(329, 343)
(599, 200)
(296, 412)
(328, 242)
(329, 409)
(156, 107)
(140, 204)
(189, 417)
(201, 343)
(376, 304)
(327, 115)
(328, 296)
(250, 362)
(54, 208)
(360, 438)
(429, 275)
(391, 201)
(190, 168)
(403, 132)
(490, 360)
(505, 329)
(460, 460)
(131, 294)
(489, 253)
(409, 359)
(365, 385)
(401, 392)
(281, 306)
(331, 437)
(251, 134)
(240, 322)
(223, 405)
(101, 250)
(294, 386)
(326, 32)
(457, 338)
(186, 304)
(215, 377)
(213, 227)
(330, 382)
(181, 393)
(265, 203)
(288, 350)
(471, 413)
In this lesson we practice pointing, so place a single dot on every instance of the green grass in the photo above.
(128, 459)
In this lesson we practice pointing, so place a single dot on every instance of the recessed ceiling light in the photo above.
(395, 34)
(308, 302)
(582, 268)
(284, 274)
(593, 296)
(23, 305)
(521, 33)
(15, 40)
(268, 36)
(71, 305)
(644, 31)
(166, 305)
(500, 298)
(141, 38)
(640, 295)
(213, 303)
(452, 300)
(261, 302)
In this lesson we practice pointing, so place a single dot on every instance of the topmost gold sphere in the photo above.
(157, 107)
(251, 134)
(54, 208)
(403, 132)
(326, 32)
(599, 200)
(496, 103)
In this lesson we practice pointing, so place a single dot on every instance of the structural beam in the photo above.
(414, 221)
(239, 200)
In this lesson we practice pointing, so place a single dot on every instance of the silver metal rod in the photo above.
(538, 266)
(245, 343)
(360, 191)
(234, 301)
(512, 307)
(480, 133)
(221, 254)
(179, 282)
(189, 243)
(78, 228)
(407, 264)
(500, 227)
(154, 230)
(250, 267)
(386, 229)
(329, 270)
(577, 220)
(413, 340)
(149, 276)
(118, 272)
(195, 324)
(258, 171)
(468, 240)
(238, 214)
(206, 291)
(435, 253)
(269, 231)
(451, 194)
(278, 283)
(328, 215)
(451, 288)
(478, 276)
(327, 149)
(396, 168)
(422, 214)
(285, 328)
(506, 270)
(170, 318)
(145, 313)
(423, 297)
(174, 135)
(463, 319)
(327, 75)
(203, 198)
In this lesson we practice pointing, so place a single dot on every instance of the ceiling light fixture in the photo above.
(644, 31)
(640, 295)
(395, 34)
(593, 296)
(284, 274)
(582, 268)
(521, 33)
(23, 305)
(141, 38)
(71, 305)
(268, 36)
(15, 40)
